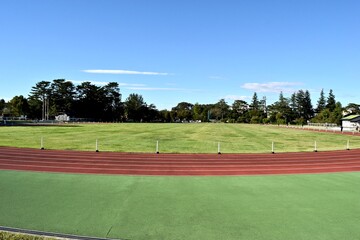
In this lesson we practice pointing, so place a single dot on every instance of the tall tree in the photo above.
(309, 110)
(331, 102)
(183, 111)
(89, 101)
(255, 102)
(134, 105)
(256, 112)
(19, 106)
(304, 107)
(2, 105)
(197, 112)
(336, 114)
(293, 103)
(221, 109)
(62, 97)
(113, 109)
(321, 104)
(240, 111)
(39, 100)
(281, 111)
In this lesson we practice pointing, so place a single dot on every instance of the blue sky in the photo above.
(194, 51)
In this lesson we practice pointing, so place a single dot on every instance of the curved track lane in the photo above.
(178, 164)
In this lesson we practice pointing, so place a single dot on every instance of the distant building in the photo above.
(351, 121)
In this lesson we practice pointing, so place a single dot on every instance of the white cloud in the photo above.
(103, 71)
(272, 87)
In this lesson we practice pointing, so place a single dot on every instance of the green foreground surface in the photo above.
(174, 138)
(318, 206)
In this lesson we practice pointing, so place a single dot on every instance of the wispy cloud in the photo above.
(104, 71)
(272, 87)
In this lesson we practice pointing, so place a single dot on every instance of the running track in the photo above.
(178, 164)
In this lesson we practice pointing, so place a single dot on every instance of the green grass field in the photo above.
(174, 138)
(318, 206)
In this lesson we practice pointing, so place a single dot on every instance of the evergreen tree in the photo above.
(255, 104)
(280, 111)
(113, 108)
(331, 103)
(336, 115)
(321, 103)
(304, 109)
(62, 96)
(254, 113)
(90, 101)
(309, 110)
(39, 100)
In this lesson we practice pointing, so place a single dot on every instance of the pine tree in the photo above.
(255, 104)
(321, 103)
(308, 108)
(331, 103)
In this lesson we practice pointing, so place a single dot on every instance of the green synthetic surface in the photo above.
(174, 138)
(308, 206)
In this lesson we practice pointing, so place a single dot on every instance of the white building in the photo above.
(351, 121)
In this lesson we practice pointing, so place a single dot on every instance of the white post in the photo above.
(272, 147)
(96, 146)
(315, 149)
(219, 152)
(42, 143)
(157, 147)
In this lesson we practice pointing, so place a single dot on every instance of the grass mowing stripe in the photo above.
(174, 138)
(322, 206)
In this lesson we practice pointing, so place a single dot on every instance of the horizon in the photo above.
(196, 52)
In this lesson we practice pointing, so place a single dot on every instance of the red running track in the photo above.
(178, 164)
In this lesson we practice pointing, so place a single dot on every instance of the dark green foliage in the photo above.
(281, 113)
(103, 103)
(19, 106)
(183, 111)
(331, 103)
(321, 103)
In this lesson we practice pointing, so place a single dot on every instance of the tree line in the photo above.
(89, 102)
